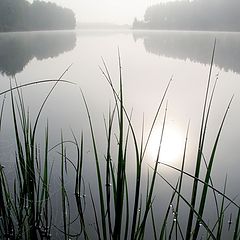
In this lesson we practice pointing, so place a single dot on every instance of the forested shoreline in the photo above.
(214, 15)
(20, 15)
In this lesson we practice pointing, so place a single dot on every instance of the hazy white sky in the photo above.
(114, 11)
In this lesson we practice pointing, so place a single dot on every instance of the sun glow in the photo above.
(172, 145)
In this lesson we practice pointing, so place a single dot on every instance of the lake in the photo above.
(149, 59)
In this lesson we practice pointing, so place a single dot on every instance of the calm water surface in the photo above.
(149, 60)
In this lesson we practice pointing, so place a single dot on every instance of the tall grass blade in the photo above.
(188, 204)
(99, 177)
(203, 182)
(200, 150)
(208, 174)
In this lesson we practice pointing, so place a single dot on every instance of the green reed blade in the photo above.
(101, 198)
(200, 150)
(205, 225)
(208, 174)
(203, 182)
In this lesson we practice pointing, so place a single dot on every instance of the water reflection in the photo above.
(195, 46)
(18, 49)
(171, 145)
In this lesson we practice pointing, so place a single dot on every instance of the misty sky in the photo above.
(113, 11)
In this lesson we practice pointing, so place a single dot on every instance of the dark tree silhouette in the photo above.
(218, 15)
(20, 15)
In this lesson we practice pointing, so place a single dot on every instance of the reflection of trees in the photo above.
(195, 46)
(17, 49)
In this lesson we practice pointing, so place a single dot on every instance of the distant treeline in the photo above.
(20, 15)
(218, 15)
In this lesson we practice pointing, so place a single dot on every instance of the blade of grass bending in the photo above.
(188, 204)
(102, 205)
(200, 148)
(107, 76)
(201, 181)
(35, 83)
(208, 174)
(43, 104)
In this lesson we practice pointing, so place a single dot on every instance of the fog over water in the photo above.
(118, 12)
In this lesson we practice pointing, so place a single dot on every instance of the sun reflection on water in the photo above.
(172, 145)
